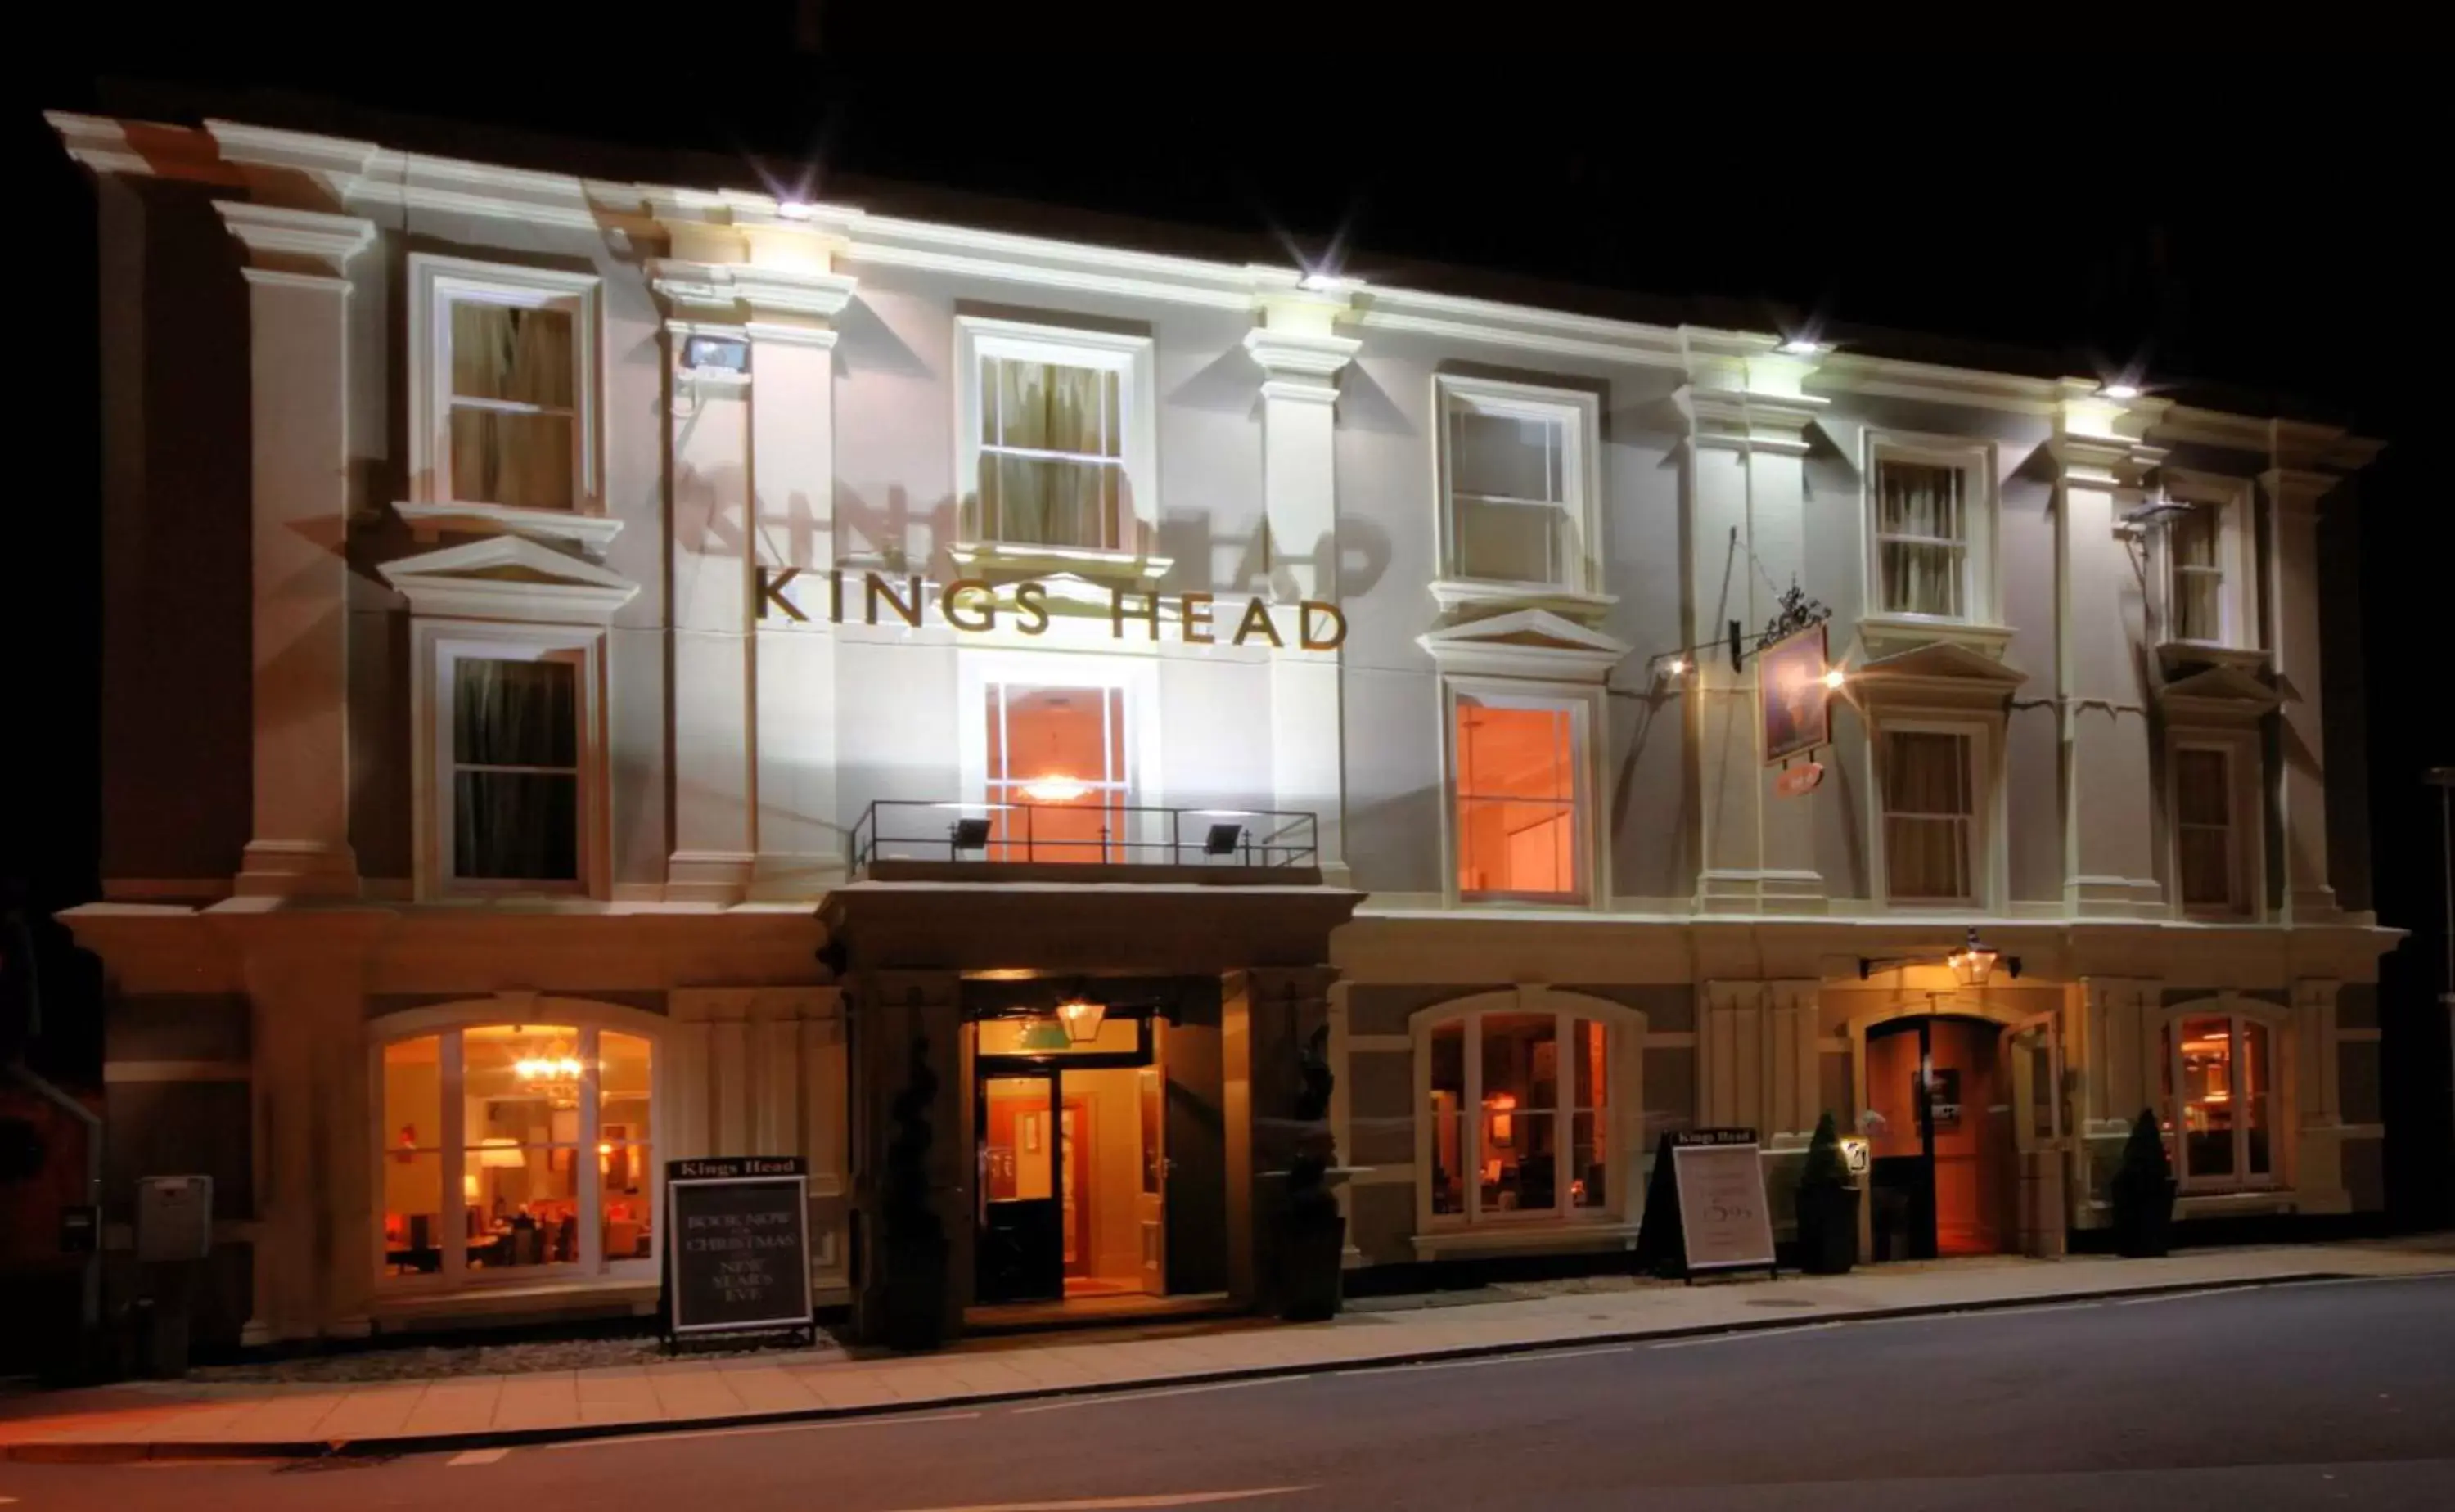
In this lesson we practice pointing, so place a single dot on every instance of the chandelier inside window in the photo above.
(556, 1074)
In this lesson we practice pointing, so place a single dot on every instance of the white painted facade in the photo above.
(1280, 438)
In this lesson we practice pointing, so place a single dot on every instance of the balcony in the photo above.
(919, 841)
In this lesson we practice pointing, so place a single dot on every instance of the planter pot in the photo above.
(1828, 1229)
(913, 1285)
(1312, 1279)
(2144, 1218)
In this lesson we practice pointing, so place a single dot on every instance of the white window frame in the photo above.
(1132, 357)
(2230, 499)
(1624, 1032)
(1981, 494)
(446, 1027)
(1987, 867)
(2235, 1012)
(2247, 870)
(1579, 414)
(436, 649)
(435, 284)
(1136, 676)
(1586, 705)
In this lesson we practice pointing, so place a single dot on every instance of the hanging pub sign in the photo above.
(737, 1247)
(1705, 1207)
(1792, 694)
(974, 606)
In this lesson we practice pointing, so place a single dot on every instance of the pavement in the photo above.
(176, 1420)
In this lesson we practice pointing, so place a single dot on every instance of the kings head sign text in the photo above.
(972, 604)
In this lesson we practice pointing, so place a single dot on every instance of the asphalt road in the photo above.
(2333, 1395)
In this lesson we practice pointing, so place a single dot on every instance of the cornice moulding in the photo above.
(370, 175)
(1528, 643)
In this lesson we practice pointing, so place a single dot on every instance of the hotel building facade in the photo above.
(601, 672)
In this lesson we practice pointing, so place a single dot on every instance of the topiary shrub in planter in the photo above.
(2143, 1193)
(1315, 1269)
(1827, 1206)
(912, 1250)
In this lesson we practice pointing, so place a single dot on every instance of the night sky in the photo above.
(2256, 231)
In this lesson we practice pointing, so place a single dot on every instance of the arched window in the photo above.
(2220, 1082)
(517, 1151)
(1524, 1100)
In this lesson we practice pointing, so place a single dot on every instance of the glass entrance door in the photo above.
(1022, 1218)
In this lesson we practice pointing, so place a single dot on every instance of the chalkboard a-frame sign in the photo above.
(737, 1248)
(1705, 1208)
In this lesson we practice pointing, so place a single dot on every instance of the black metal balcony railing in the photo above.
(990, 835)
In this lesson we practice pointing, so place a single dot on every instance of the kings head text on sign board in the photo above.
(970, 604)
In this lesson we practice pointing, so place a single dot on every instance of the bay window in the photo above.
(517, 1150)
(2219, 1078)
(1518, 1109)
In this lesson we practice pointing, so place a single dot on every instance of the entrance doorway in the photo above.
(1073, 1164)
(1942, 1141)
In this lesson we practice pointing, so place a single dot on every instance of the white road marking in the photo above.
(477, 1456)
(765, 1427)
(1122, 1503)
(2180, 1296)
(1744, 1333)
(1146, 1396)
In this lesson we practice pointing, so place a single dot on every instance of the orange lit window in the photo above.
(2218, 1071)
(1519, 1111)
(1056, 765)
(1517, 805)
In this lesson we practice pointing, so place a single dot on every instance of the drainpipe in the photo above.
(21, 941)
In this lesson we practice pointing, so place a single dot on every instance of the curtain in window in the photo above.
(513, 420)
(1927, 810)
(1920, 539)
(2203, 827)
(2198, 581)
(1052, 451)
(516, 787)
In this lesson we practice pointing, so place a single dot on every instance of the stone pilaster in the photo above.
(754, 480)
(298, 842)
(1748, 420)
(1300, 353)
(2294, 494)
(2109, 829)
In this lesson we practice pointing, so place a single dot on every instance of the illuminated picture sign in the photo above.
(972, 605)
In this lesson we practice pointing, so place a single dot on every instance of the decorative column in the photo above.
(2294, 495)
(2109, 824)
(300, 387)
(1731, 1053)
(753, 453)
(1748, 419)
(1300, 354)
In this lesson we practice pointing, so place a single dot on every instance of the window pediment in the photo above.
(1534, 643)
(2218, 694)
(1938, 675)
(507, 578)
